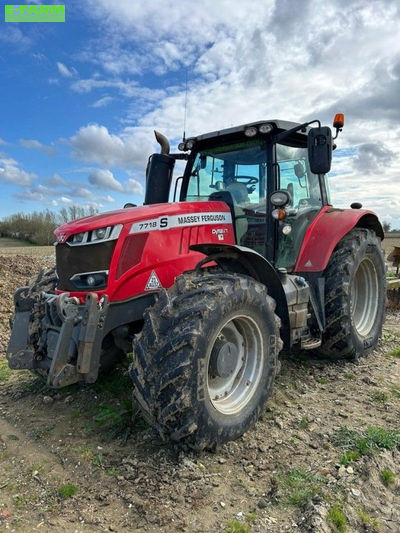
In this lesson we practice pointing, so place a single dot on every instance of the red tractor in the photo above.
(222, 268)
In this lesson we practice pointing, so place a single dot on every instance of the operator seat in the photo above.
(239, 192)
(240, 223)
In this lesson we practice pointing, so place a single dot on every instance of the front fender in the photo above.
(326, 230)
(244, 260)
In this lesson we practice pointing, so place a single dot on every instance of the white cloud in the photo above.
(161, 35)
(109, 199)
(130, 148)
(65, 71)
(30, 196)
(12, 34)
(2, 142)
(36, 145)
(55, 181)
(133, 186)
(11, 172)
(80, 192)
(66, 200)
(104, 179)
(103, 102)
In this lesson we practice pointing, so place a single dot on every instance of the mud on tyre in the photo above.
(355, 296)
(205, 362)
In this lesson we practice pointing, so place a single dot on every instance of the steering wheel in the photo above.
(250, 180)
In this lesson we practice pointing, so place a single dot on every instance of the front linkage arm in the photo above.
(70, 338)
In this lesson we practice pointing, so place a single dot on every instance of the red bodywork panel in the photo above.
(154, 238)
(323, 234)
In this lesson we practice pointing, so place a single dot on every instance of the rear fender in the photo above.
(326, 230)
(246, 261)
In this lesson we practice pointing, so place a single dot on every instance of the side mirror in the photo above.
(320, 150)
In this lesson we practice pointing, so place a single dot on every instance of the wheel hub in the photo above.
(235, 364)
(224, 358)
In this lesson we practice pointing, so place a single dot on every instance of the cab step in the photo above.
(310, 343)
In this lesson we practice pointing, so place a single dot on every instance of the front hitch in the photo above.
(69, 340)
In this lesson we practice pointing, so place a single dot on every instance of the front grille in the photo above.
(71, 260)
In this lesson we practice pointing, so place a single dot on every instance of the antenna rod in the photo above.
(184, 116)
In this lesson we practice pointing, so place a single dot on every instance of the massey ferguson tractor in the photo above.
(221, 269)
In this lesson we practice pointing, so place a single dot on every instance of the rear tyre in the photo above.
(355, 296)
(205, 362)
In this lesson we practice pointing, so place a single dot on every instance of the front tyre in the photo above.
(355, 296)
(205, 361)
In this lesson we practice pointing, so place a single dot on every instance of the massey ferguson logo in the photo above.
(181, 221)
(61, 237)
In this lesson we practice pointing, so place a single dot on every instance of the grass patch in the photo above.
(304, 422)
(85, 452)
(98, 460)
(395, 391)
(348, 457)
(34, 468)
(349, 375)
(5, 372)
(365, 443)
(116, 384)
(112, 471)
(380, 397)
(387, 477)
(76, 413)
(337, 518)
(371, 523)
(67, 491)
(323, 381)
(233, 526)
(42, 431)
(116, 421)
(395, 352)
(298, 486)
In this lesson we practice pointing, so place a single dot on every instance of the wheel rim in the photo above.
(364, 296)
(235, 365)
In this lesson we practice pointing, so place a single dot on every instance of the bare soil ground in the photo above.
(324, 456)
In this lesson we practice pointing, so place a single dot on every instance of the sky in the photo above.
(80, 100)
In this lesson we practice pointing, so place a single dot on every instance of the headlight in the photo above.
(110, 233)
(280, 198)
(101, 233)
(265, 128)
(90, 280)
(250, 131)
(78, 237)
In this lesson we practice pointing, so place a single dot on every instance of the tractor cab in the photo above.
(244, 167)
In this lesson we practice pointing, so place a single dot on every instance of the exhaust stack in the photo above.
(163, 142)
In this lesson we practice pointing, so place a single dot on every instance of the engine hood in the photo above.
(135, 214)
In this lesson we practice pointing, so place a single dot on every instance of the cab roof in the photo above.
(279, 125)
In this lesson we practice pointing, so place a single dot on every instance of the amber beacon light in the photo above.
(338, 123)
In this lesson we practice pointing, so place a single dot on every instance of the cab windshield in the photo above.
(237, 168)
(237, 174)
